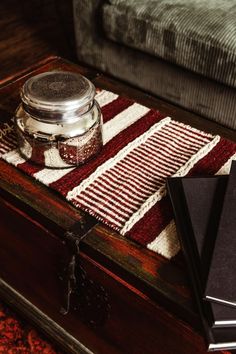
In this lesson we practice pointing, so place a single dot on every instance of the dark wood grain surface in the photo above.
(150, 296)
(33, 29)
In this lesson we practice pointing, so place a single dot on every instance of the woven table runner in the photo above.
(124, 186)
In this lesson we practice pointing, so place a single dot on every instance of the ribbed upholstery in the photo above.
(199, 35)
(183, 87)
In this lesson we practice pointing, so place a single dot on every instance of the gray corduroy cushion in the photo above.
(162, 78)
(199, 35)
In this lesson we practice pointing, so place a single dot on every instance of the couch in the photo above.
(181, 50)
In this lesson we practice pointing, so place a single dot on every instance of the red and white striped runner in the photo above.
(124, 186)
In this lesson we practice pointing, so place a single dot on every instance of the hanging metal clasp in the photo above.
(69, 277)
(82, 294)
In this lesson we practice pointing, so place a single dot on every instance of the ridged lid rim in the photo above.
(57, 96)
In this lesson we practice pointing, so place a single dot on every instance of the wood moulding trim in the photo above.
(41, 320)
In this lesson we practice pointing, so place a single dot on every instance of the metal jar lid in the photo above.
(57, 96)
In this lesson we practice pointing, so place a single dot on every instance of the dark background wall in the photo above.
(32, 29)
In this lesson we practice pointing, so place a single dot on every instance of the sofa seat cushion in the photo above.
(199, 35)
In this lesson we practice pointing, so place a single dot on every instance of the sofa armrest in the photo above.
(88, 30)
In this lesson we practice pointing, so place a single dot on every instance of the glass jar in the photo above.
(58, 123)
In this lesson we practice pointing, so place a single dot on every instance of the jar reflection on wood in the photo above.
(58, 123)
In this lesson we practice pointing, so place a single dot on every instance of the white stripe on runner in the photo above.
(53, 158)
(141, 171)
(13, 157)
(135, 194)
(112, 161)
(99, 192)
(7, 143)
(3, 150)
(133, 181)
(123, 120)
(196, 136)
(104, 97)
(192, 129)
(156, 163)
(48, 175)
(109, 189)
(165, 158)
(153, 199)
(96, 200)
(126, 171)
(167, 243)
(8, 140)
(181, 138)
(165, 151)
(11, 138)
(198, 156)
(161, 168)
(165, 142)
(225, 169)
(168, 148)
(173, 140)
(104, 215)
(121, 198)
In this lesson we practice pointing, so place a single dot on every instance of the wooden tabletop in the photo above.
(157, 278)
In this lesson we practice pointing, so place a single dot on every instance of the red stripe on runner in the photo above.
(29, 168)
(93, 213)
(99, 192)
(197, 135)
(99, 207)
(73, 178)
(166, 138)
(159, 216)
(110, 188)
(216, 158)
(115, 107)
(154, 221)
(163, 143)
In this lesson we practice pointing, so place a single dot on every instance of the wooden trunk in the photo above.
(148, 307)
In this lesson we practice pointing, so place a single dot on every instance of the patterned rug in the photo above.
(124, 186)
(17, 337)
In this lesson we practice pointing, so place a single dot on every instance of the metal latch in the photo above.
(81, 294)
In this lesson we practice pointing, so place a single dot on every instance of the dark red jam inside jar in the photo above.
(58, 123)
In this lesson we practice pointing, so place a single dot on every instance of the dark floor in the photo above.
(30, 30)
